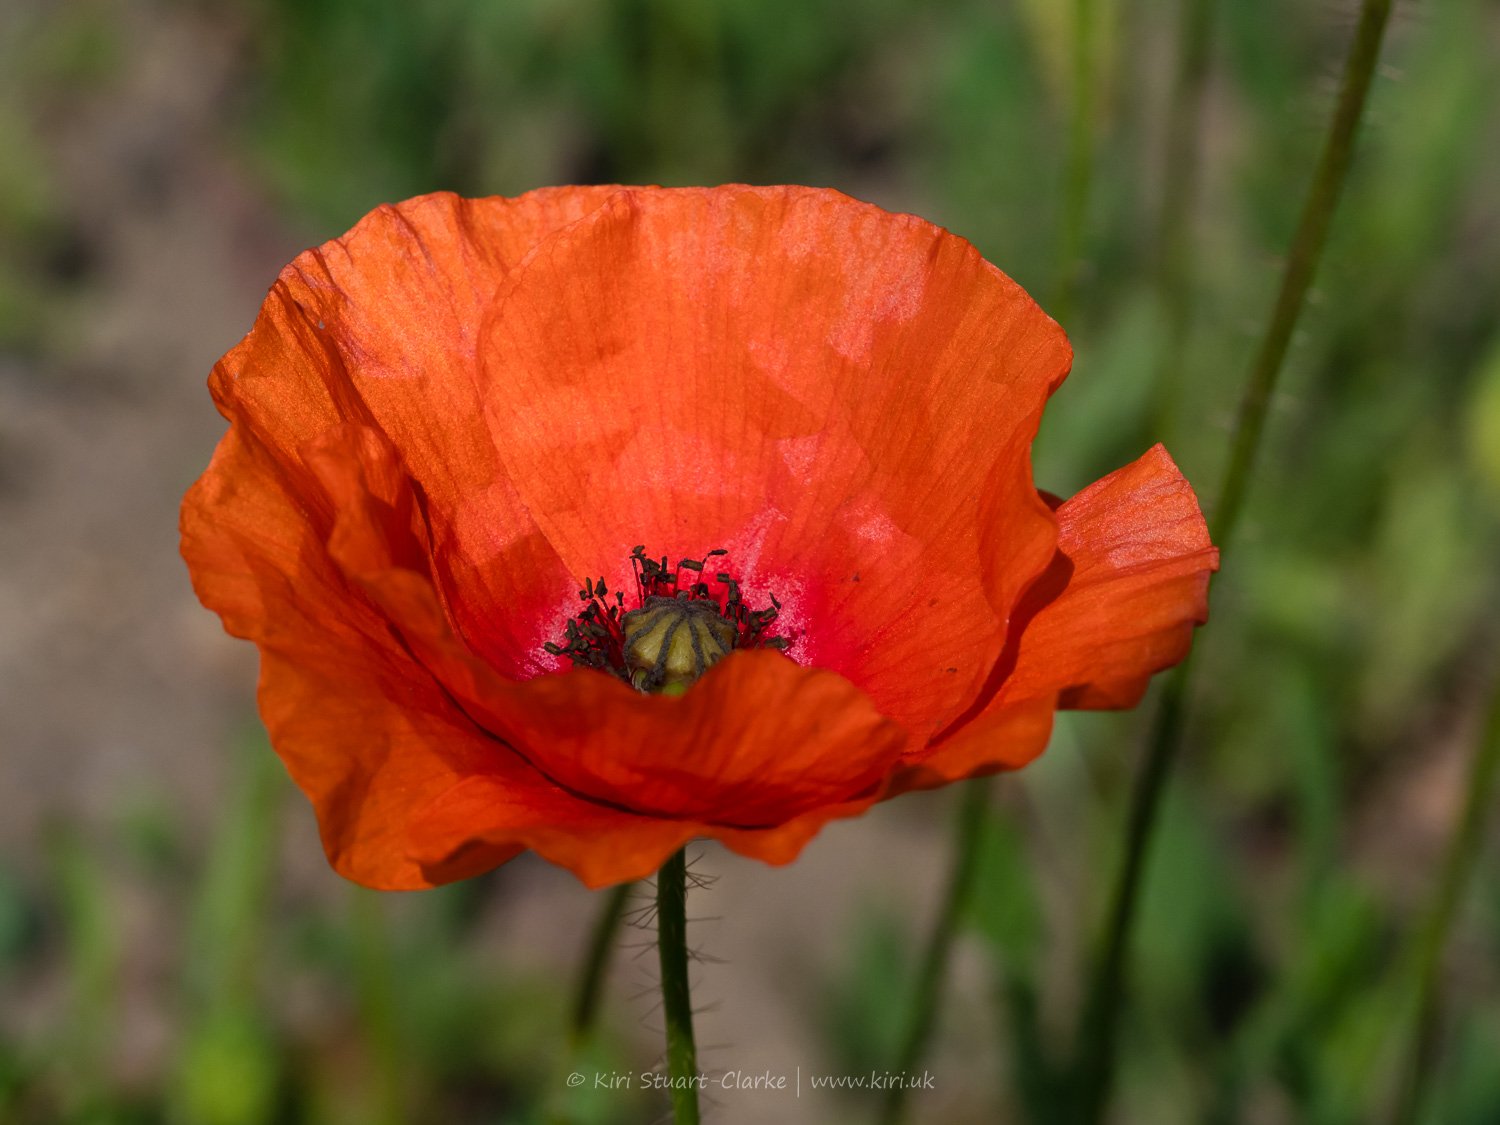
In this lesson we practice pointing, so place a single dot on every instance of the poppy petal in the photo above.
(365, 732)
(842, 398)
(758, 741)
(391, 757)
(783, 843)
(482, 822)
(1002, 737)
(1137, 561)
(378, 328)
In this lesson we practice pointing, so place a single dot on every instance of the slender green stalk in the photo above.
(596, 963)
(1301, 263)
(379, 1012)
(676, 996)
(973, 806)
(1432, 939)
(1097, 1038)
(1098, 1029)
(1179, 192)
(92, 948)
(1078, 172)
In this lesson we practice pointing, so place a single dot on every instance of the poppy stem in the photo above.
(1095, 1058)
(676, 996)
(596, 964)
(973, 807)
(1432, 939)
(1301, 263)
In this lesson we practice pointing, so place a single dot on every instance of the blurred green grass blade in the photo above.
(1006, 907)
(1428, 567)
(1101, 426)
(596, 961)
(92, 952)
(1432, 939)
(1006, 911)
(20, 921)
(1296, 692)
(1313, 1030)
(865, 1001)
(231, 905)
(227, 1069)
(932, 972)
(380, 1023)
(1468, 1085)
(1084, 41)
(1482, 423)
(1181, 163)
(1098, 1022)
(692, 134)
(20, 928)
(1200, 969)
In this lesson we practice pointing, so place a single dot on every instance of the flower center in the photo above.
(685, 622)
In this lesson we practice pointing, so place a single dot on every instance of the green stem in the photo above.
(596, 964)
(1097, 1031)
(1078, 172)
(676, 996)
(1097, 1038)
(375, 974)
(1458, 866)
(922, 1015)
(1301, 263)
(1179, 192)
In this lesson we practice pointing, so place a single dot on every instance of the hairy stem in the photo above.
(676, 995)
(1097, 1032)
(1301, 264)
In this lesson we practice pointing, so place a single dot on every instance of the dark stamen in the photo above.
(595, 637)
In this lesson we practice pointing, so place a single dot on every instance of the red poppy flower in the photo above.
(449, 422)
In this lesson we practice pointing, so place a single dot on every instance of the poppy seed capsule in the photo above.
(670, 642)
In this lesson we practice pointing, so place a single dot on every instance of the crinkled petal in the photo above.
(783, 843)
(482, 822)
(842, 398)
(1122, 598)
(1001, 737)
(364, 730)
(378, 328)
(1118, 603)
(758, 741)
(354, 650)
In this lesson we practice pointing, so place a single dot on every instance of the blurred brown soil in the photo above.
(112, 680)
